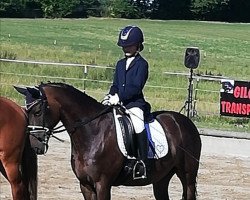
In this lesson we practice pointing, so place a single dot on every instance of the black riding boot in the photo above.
(140, 166)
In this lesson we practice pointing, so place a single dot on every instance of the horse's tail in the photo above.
(29, 169)
(192, 147)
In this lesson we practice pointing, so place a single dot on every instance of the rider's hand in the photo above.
(105, 100)
(111, 99)
(114, 99)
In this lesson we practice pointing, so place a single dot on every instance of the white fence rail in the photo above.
(85, 79)
(53, 63)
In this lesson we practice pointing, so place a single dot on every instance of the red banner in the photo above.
(235, 98)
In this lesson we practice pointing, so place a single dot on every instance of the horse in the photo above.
(18, 161)
(96, 159)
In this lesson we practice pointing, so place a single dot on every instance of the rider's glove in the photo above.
(111, 99)
(114, 99)
(105, 100)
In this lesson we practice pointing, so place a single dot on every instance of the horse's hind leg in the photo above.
(160, 188)
(188, 181)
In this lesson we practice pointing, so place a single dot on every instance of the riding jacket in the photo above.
(128, 84)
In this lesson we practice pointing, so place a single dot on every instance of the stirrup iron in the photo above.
(136, 174)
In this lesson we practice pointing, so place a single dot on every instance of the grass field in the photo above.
(225, 51)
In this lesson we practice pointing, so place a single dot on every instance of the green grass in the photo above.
(225, 50)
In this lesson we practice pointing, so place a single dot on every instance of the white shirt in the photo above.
(128, 62)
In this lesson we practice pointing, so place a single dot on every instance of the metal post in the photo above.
(195, 98)
(190, 95)
(85, 72)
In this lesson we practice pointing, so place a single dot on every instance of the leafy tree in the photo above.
(119, 9)
(144, 8)
(71, 8)
(171, 9)
(210, 9)
(222, 10)
(58, 8)
(91, 7)
(12, 8)
(33, 9)
(239, 10)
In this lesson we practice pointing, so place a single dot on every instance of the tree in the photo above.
(210, 9)
(171, 9)
(58, 8)
(144, 8)
(120, 9)
(91, 7)
(12, 8)
(239, 10)
(71, 8)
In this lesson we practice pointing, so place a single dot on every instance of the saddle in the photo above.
(158, 146)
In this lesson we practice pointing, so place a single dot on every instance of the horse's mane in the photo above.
(75, 93)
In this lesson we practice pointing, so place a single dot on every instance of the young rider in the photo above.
(131, 74)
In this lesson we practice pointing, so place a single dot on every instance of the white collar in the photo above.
(129, 61)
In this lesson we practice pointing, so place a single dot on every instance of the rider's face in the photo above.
(130, 50)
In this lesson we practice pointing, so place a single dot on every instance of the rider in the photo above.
(130, 77)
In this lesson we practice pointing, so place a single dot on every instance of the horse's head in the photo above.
(41, 117)
(40, 113)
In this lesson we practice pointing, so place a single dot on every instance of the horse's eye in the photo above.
(38, 113)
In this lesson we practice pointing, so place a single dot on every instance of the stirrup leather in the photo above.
(136, 170)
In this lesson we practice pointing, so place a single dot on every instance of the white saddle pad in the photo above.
(158, 136)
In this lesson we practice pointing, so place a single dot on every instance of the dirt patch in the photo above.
(220, 177)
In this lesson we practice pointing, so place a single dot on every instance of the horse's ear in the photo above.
(21, 90)
(35, 93)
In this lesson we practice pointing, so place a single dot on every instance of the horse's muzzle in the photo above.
(39, 137)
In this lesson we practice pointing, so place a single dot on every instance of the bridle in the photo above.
(28, 108)
(33, 130)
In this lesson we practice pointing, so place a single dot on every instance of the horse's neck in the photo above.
(77, 121)
(74, 110)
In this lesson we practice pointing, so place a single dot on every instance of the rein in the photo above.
(55, 130)
(83, 123)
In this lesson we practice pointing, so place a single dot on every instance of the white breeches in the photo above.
(137, 118)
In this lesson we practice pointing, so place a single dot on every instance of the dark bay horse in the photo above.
(18, 161)
(95, 156)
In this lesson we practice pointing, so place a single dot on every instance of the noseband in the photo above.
(44, 104)
(38, 135)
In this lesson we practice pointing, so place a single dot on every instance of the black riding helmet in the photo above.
(131, 35)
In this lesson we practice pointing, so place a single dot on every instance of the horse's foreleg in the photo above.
(103, 191)
(88, 192)
(100, 192)
(19, 191)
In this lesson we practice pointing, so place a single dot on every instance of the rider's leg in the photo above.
(137, 118)
(142, 145)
